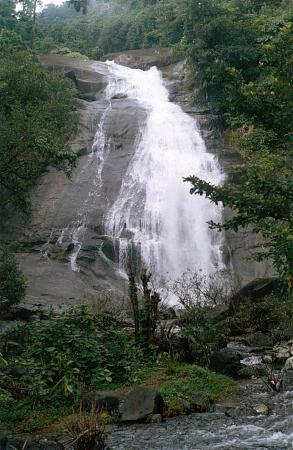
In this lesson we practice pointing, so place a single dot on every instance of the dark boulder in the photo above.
(72, 76)
(258, 339)
(102, 400)
(226, 362)
(256, 289)
(70, 247)
(155, 418)
(258, 370)
(27, 313)
(233, 410)
(141, 403)
(202, 403)
(32, 443)
(13, 349)
(217, 314)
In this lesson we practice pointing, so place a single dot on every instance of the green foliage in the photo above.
(272, 315)
(27, 416)
(74, 352)
(52, 14)
(12, 283)
(5, 397)
(202, 336)
(79, 5)
(198, 296)
(73, 348)
(61, 356)
(185, 380)
(35, 121)
(120, 27)
(263, 202)
(7, 14)
(240, 58)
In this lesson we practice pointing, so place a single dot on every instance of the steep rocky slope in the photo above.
(47, 246)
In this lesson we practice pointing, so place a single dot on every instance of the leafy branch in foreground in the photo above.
(263, 201)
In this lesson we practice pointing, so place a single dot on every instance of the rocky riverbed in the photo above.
(258, 420)
(271, 429)
(259, 417)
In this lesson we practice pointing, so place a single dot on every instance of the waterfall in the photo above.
(154, 212)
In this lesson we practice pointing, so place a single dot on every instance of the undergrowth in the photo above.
(75, 352)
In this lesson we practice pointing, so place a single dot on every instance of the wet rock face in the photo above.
(59, 203)
(238, 246)
(142, 59)
(141, 403)
(102, 400)
(226, 361)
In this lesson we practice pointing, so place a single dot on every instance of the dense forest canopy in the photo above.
(35, 110)
(239, 61)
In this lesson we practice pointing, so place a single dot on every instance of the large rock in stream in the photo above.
(226, 361)
(140, 404)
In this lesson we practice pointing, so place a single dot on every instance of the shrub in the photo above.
(254, 139)
(201, 334)
(12, 282)
(72, 350)
(272, 315)
(87, 433)
(199, 294)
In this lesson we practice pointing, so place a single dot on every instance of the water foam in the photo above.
(167, 225)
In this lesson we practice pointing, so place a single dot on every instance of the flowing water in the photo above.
(154, 212)
(211, 431)
(154, 218)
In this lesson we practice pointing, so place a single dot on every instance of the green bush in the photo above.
(63, 356)
(36, 121)
(74, 348)
(74, 352)
(272, 315)
(12, 282)
(254, 139)
(202, 336)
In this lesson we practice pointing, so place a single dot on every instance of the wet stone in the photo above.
(140, 404)
(102, 400)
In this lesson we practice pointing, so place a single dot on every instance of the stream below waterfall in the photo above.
(211, 431)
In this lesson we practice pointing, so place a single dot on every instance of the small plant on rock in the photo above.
(88, 432)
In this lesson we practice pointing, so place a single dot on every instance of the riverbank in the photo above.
(54, 367)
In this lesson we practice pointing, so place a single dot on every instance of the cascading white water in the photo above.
(154, 210)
